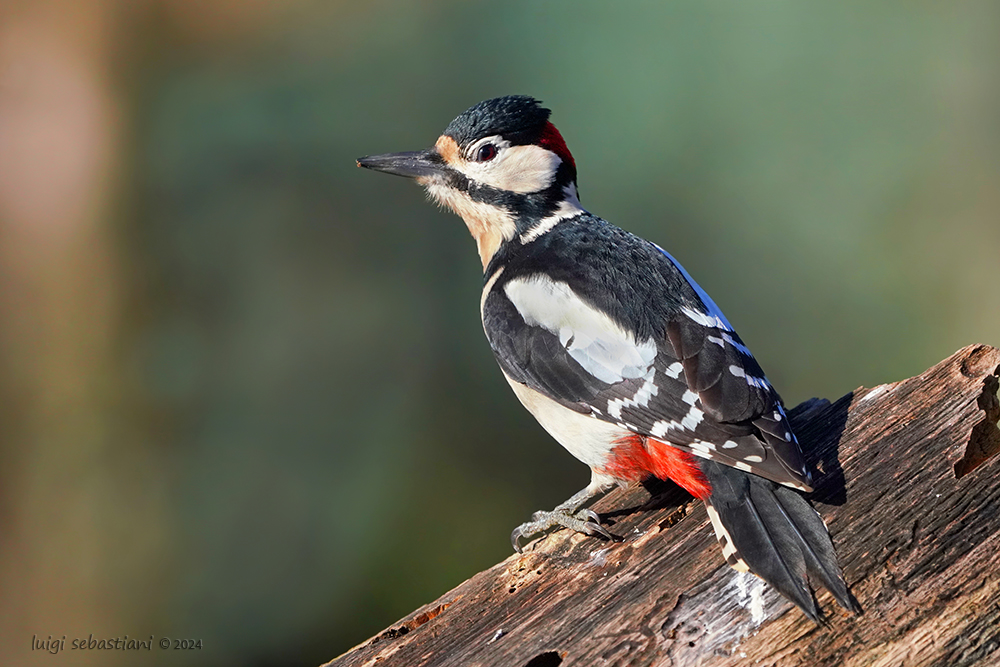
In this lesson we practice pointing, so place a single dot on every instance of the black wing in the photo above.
(694, 385)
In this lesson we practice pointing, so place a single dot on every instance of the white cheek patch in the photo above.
(593, 339)
(521, 169)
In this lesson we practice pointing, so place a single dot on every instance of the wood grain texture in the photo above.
(920, 548)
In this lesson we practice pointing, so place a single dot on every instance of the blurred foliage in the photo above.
(300, 374)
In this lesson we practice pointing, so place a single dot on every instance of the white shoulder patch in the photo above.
(593, 339)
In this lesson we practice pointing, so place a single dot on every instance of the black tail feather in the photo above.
(776, 534)
(821, 559)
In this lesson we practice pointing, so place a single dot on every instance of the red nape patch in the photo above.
(635, 457)
(553, 141)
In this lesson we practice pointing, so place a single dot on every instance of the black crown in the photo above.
(519, 119)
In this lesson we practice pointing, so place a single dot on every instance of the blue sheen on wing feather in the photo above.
(702, 294)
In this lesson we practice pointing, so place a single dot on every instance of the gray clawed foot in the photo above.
(585, 521)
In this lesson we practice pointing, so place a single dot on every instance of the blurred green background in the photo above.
(244, 392)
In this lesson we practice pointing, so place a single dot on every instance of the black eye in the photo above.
(486, 153)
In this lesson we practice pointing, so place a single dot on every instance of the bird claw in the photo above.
(594, 529)
(515, 539)
(585, 521)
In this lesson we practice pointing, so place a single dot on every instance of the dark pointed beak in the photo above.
(413, 164)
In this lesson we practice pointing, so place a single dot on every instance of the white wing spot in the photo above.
(662, 427)
(737, 371)
(692, 419)
(713, 309)
(641, 398)
(739, 346)
(674, 370)
(689, 397)
(753, 458)
(701, 445)
(707, 319)
(729, 444)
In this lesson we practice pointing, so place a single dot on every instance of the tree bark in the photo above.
(914, 515)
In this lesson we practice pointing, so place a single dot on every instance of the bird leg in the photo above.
(568, 514)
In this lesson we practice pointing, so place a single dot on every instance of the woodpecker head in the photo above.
(501, 165)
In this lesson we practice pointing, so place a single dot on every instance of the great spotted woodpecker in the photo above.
(618, 353)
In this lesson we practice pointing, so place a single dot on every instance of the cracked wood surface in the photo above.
(920, 549)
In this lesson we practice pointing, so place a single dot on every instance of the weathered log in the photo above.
(914, 514)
